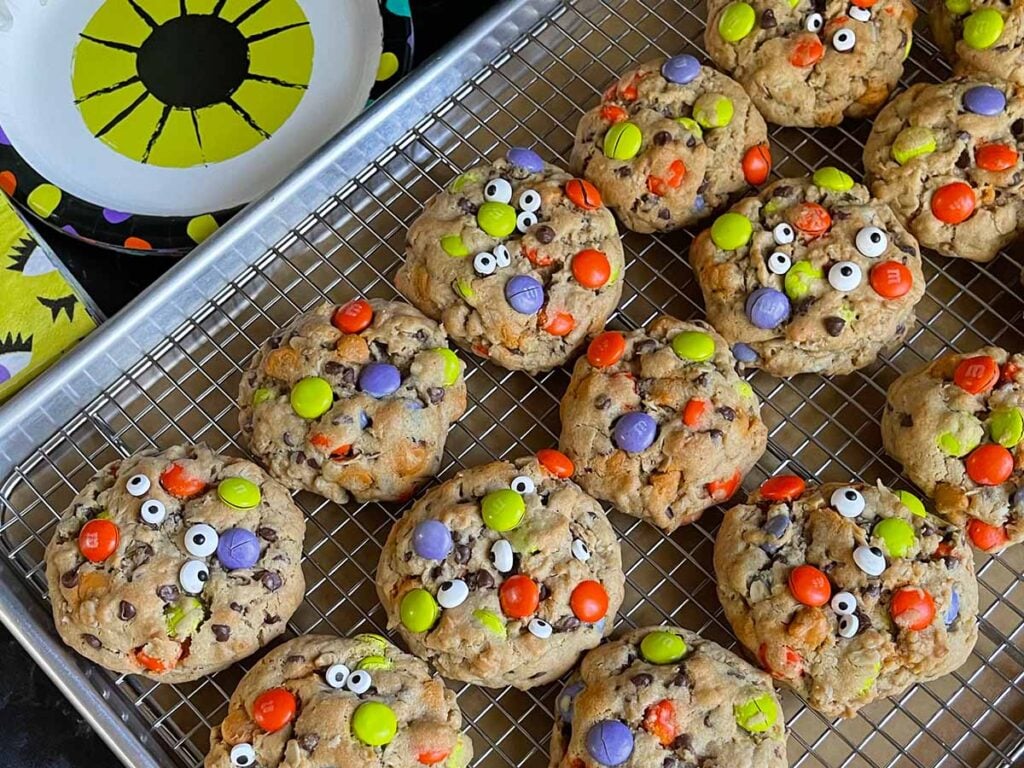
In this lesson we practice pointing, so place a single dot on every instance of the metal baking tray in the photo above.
(166, 370)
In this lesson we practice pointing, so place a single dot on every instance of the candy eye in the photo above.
(336, 675)
(501, 556)
(848, 625)
(501, 256)
(814, 22)
(872, 242)
(485, 263)
(137, 485)
(580, 550)
(849, 502)
(153, 511)
(243, 756)
(529, 200)
(522, 484)
(193, 576)
(783, 234)
(498, 191)
(844, 40)
(539, 628)
(779, 263)
(525, 220)
(359, 682)
(858, 13)
(844, 276)
(452, 594)
(870, 560)
(201, 540)
(844, 603)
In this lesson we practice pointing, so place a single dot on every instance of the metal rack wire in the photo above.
(532, 93)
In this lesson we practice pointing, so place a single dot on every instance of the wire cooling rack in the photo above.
(531, 92)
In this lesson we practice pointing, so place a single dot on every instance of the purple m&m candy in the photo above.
(379, 379)
(681, 69)
(610, 742)
(524, 294)
(432, 540)
(768, 308)
(984, 100)
(526, 159)
(744, 352)
(566, 702)
(634, 432)
(1018, 497)
(954, 608)
(238, 548)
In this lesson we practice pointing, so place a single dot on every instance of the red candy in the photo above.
(864, 3)
(912, 608)
(953, 203)
(812, 220)
(613, 113)
(180, 484)
(757, 164)
(1009, 372)
(606, 349)
(274, 709)
(660, 186)
(353, 317)
(807, 52)
(591, 268)
(723, 490)
(891, 280)
(98, 540)
(783, 488)
(989, 464)
(556, 323)
(151, 663)
(589, 601)
(583, 194)
(519, 596)
(809, 586)
(555, 462)
(693, 412)
(995, 157)
(660, 722)
(989, 538)
(976, 374)
(790, 666)
(432, 756)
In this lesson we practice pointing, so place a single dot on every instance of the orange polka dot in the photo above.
(137, 244)
(8, 182)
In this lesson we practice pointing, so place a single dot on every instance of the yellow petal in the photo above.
(269, 105)
(225, 133)
(287, 56)
(117, 21)
(98, 66)
(132, 135)
(160, 10)
(177, 146)
(100, 110)
(274, 15)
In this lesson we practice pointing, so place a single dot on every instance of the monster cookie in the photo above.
(658, 422)
(812, 62)
(982, 36)
(521, 261)
(503, 575)
(957, 426)
(174, 565)
(946, 157)
(812, 276)
(353, 401)
(329, 702)
(670, 141)
(846, 593)
(662, 697)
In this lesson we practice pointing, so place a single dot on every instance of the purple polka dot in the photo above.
(115, 217)
(70, 230)
(3, 138)
(5, 374)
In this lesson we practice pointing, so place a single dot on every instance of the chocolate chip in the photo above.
(332, 368)
(906, 420)
(834, 325)
(777, 526)
(421, 336)
(436, 394)
(602, 402)
(462, 554)
(951, 563)
(479, 580)
(466, 206)
(435, 572)
(727, 413)
(664, 214)
(271, 619)
(642, 680)
(782, 191)
(1018, 127)
(236, 607)
(684, 742)
(126, 611)
(299, 457)
(92, 640)
(566, 624)
(623, 171)
(168, 593)
(644, 346)
(768, 19)
(222, 632)
(964, 161)
(545, 593)
(682, 679)
(545, 235)
(69, 579)
(308, 741)
(661, 138)
(716, 434)
(267, 534)
(272, 581)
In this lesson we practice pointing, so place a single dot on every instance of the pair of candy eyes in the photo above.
(500, 191)
(339, 676)
(502, 554)
(488, 262)
(849, 502)
(152, 511)
(871, 242)
(844, 39)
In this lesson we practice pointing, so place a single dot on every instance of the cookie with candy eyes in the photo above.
(174, 565)
(353, 401)
(812, 62)
(662, 696)
(521, 261)
(813, 275)
(981, 36)
(670, 141)
(846, 593)
(504, 574)
(947, 158)
(658, 422)
(957, 426)
(322, 702)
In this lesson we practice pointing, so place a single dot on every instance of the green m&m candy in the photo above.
(239, 493)
(963, 435)
(832, 178)
(374, 723)
(452, 365)
(713, 111)
(372, 663)
(982, 28)
(693, 345)
(801, 276)
(623, 141)
(496, 219)
(1006, 426)
(453, 246)
(503, 510)
(663, 648)
(897, 535)
(373, 637)
(419, 610)
(911, 142)
(312, 397)
(462, 180)
(465, 288)
(758, 714)
(731, 231)
(491, 621)
(911, 502)
(691, 125)
(261, 395)
(959, 7)
(744, 389)
(736, 21)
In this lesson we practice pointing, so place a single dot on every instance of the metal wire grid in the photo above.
(184, 391)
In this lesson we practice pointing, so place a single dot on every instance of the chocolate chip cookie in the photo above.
(503, 575)
(812, 276)
(812, 62)
(321, 702)
(658, 422)
(946, 157)
(353, 401)
(846, 593)
(662, 697)
(957, 426)
(981, 36)
(174, 565)
(670, 141)
(520, 260)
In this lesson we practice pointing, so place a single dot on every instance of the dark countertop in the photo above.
(38, 728)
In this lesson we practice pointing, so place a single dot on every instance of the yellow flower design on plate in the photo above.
(180, 83)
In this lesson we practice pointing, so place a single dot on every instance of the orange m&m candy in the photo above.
(891, 280)
(809, 586)
(519, 596)
(151, 663)
(757, 164)
(98, 540)
(912, 608)
(583, 194)
(807, 51)
(180, 484)
(432, 756)
(790, 661)
(783, 488)
(555, 462)
(864, 3)
(353, 317)
(606, 349)
(660, 721)
(693, 411)
(589, 601)
(989, 464)
(995, 157)
(989, 538)
(723, 490)
(812, 219)
(976, 374)
(274, 709)
(953, 203)
(613, 113)
(556, 323)
(591, 268)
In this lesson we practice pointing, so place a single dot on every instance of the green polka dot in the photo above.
(44, 199)
(453, 246)
(693, 345)
(491, 621)
(387, 67)
(801, 277)
(983, 28)
(911, 502)
(758, 714)
(913, 141)
(833, 179)
(897, 535)
(736, 22)
(201, 227)
(731, 231)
